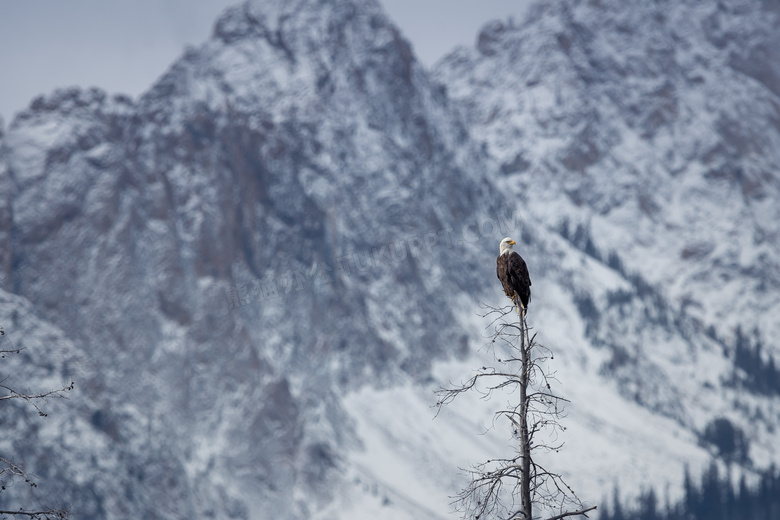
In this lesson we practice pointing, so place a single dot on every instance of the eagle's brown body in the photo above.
(513, 273)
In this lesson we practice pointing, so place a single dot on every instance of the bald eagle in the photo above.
(513, 273)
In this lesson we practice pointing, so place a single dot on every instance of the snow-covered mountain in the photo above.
(259, 271)
(302, 143)
(648, 136)
(655, 127)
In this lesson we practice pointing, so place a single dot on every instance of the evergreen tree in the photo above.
(713, 499)
(648, 506)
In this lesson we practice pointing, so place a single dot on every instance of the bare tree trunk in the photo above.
(525, 444)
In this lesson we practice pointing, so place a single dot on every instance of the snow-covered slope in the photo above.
(267, 264)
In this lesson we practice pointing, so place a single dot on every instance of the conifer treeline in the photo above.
(763, 377)
(712, 499)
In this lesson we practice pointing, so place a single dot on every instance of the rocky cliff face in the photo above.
(262, 263)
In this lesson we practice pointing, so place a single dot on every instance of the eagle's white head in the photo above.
(506, 246)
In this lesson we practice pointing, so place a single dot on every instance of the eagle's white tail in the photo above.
(521, 309)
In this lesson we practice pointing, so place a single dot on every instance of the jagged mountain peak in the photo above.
(606, 40)
(71, 101)
(279, 21)
(65, 119)
(263, 53)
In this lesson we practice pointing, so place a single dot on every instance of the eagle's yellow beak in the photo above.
(512, 242)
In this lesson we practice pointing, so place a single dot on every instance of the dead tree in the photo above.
(10, 471)
(508, 488)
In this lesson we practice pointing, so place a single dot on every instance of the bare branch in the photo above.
(13, 394)
(37, 514)
(32, 398)
(16, 471)
(573, 513)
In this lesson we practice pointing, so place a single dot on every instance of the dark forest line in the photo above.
(714, 497)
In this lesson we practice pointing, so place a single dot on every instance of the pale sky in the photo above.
(123, 47)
